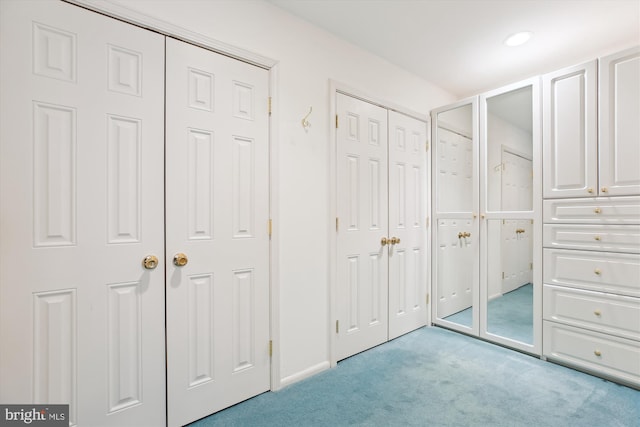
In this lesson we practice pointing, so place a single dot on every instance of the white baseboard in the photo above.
(307, 373)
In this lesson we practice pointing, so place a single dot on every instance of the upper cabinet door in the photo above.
(570, 132)
(619, 125)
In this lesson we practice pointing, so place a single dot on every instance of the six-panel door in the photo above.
(362, 208)
(81, 158)
(217, 208)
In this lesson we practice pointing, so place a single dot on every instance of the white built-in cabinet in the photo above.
(591, 213)
(591, 128)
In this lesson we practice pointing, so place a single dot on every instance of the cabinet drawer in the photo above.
(607, 313)
(603, 210)
(592, 351)
(609, 238)
(596, 271)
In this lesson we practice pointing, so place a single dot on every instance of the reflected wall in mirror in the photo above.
(454, 161)
(509, 149)
(510, 279)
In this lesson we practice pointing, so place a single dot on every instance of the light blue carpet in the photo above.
(436, 377)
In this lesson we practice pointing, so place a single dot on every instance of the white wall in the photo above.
(308, 57)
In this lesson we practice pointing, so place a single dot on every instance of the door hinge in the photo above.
(503, 275)
(530, 266)
(270, 227)
(428, 222)
(336, 121)
(269, 105)
(337, 326)
(427, 299)
(337, 223)
(270, 348)
(427, 146)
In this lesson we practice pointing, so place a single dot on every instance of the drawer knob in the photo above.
(597, 210)
(597, 312)
(603, 189)
(590, 190)
(597, 353)
(598, 238)
(597, 271)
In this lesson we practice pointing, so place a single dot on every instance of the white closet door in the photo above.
(407, 222)
(217, 207)
(81, 163)
(619, 142)
(362, 206)
(570, 132)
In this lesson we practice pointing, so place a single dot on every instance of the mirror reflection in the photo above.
(510, 279)
(455, 272)
(509, 167)
(455, 160)
(453, 197)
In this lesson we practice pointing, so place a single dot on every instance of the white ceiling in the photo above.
(457, 44)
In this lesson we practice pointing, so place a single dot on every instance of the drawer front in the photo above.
(599, 353)
(603, 210)
(607, 313)
(607, 238)
(596, 271)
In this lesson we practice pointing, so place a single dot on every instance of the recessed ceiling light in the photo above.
(518, 39)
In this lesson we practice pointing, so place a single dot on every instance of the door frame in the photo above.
(139, 19)
(336, 87)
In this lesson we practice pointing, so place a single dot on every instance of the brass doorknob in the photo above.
(384, 241)
(597, 210)
(150, 262)
(180, 260)
(590, 190)
(394, 240)
(597, 271)
(603, 189)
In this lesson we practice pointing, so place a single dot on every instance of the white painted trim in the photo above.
(126, 14)
(307, 373)
(355, 93)
(332, 238)
(274, 208)
(142, 20)
(336, 87)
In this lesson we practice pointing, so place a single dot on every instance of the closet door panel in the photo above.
(362, 208)
(619, 142)
(217, 208)
(407, 222)
(570, 132)
(81, 207)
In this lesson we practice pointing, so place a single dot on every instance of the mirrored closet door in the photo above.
(487, 199)
(455, 225)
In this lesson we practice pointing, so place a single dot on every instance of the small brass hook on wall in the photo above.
(305, 122)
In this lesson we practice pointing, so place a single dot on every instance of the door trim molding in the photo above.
(336, 87)
(134, 17)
